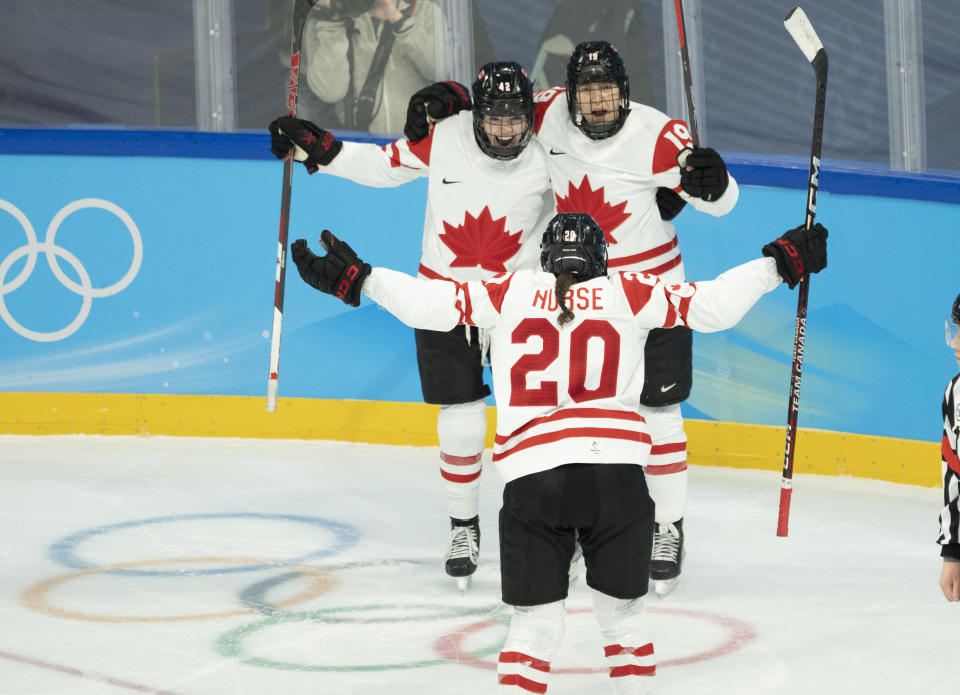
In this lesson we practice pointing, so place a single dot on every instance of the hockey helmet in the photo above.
(952, 324)
(574, 244)
(502, 109)
(597, 61)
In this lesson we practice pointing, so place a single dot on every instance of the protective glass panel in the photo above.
(110, 62)
(760, 87)
(941, 62)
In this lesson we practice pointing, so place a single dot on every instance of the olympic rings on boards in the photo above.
(64, 550)
(35, 596)
(85, 289)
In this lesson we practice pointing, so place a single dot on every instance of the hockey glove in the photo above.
(339, 273)
(708, 179)
(669, 203)
(434, 103)
(799, 252)
(311, 144)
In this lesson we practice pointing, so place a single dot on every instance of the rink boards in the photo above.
(136, 295)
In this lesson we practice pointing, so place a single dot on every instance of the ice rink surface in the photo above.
(219, 566)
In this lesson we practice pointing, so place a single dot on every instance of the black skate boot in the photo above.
(667, 558)
(460, 560)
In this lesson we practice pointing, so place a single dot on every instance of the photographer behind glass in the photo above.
(363, 60)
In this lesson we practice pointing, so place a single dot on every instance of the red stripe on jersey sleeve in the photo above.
(949, 455)
(464, 304)
(421, 148)
(432, 274)
(542, 101)
(665, 151)
(638, 293)
(679, 302)
(393, 153)
(497, 291)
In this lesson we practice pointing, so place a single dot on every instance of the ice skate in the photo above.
(667, 558)
(460, 560)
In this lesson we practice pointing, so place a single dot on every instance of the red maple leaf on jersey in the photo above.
(481, 241)
(582, 198)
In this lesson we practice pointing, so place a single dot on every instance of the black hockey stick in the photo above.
(300, 10)
(806, 38)
(687, 79)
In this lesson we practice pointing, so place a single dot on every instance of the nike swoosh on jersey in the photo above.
(445, 181)
(554, 152)
(664, 389)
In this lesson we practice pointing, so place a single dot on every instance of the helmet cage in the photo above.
(573, 244)
(597, 61)
(503, 110)
(952, 324)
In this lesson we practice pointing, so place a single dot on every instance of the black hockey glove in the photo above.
(708, 179)
(313, 145)
(339, 273)
(434, 103)
(799, 252)
(669, 203)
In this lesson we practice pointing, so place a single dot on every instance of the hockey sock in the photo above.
(628, 645)
(534, 637)
(666, 470)
(461, 430)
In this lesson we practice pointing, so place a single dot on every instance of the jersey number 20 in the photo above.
(549, 334)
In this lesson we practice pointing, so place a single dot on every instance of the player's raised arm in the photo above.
(719, 304)
(365, 163)
(437, 305)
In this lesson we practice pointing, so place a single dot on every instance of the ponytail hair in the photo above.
(564, 282)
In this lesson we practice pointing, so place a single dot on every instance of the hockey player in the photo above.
(487, 202)
(949, 539)
(608, 156)
(570, 445)
(617, 160)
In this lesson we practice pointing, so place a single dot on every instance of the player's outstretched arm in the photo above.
(429, 304)
(434, 103)
(719, 304)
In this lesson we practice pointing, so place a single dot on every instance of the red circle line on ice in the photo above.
(741, 633)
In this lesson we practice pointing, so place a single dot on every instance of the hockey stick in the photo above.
(687, 82)
(801, 30)
(300, 10)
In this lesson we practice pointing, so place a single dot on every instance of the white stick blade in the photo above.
(802, 32)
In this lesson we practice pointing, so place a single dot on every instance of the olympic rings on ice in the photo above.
(35, 596)
(346, 536)
(85, 288)
(230, 644)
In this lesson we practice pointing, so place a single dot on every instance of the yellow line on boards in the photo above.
(710, 443)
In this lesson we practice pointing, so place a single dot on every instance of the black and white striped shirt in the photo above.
(950, 516)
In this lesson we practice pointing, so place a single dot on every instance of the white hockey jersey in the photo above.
(615, 180)
(950, 464)
(570, 394)
(484, 216)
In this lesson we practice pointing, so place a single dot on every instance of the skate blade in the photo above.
(662, 587)
(463, 584)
